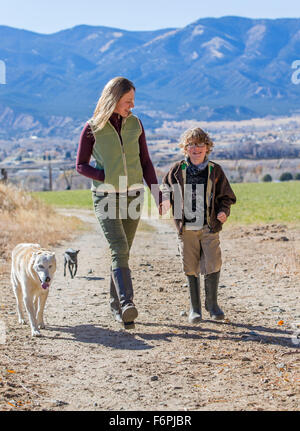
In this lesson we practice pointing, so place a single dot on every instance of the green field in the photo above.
(67, 198)
(266, 203)
(256, 202)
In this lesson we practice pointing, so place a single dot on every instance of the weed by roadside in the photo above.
(26, 219)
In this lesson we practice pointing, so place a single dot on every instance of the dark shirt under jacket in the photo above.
(196, 176)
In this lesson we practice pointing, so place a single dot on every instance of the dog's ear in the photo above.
(77, 251)
(33, 257)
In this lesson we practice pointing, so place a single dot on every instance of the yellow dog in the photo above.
(32, 272)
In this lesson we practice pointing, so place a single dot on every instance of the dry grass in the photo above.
(26, 219)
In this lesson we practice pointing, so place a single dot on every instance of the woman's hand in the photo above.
(164, 207)
(222, 217)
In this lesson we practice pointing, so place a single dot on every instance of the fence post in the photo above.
(50, 175)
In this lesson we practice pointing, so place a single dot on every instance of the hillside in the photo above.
(226, 68)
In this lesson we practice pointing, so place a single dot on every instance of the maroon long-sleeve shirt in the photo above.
(85, 149)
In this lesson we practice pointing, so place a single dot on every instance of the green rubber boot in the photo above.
(114, 301)
(195, 315)
(124, 289)
(211, 282)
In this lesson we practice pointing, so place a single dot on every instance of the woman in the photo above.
(201, 197)
(116, 139)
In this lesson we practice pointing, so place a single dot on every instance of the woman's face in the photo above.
(196, 152)
(125, 104)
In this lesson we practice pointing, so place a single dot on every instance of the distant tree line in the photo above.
(285, 176)
(251, 150)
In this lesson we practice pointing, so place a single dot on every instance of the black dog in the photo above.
(70, 258)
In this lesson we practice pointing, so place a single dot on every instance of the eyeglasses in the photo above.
(196, 144)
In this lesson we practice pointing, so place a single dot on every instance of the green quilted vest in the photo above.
(121, 163)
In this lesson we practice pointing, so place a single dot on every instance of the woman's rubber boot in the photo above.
(114, 301)
(195, 315)
(124, 289)
(211, 282)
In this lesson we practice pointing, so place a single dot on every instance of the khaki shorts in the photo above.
(200, 251)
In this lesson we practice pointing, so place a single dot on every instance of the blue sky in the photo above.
(49, 16)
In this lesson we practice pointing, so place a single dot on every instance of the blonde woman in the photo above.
(116, 139)
(200, 196)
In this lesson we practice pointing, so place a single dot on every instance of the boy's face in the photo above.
(196, 152)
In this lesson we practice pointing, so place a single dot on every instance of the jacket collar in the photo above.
(117, 120)
(183, 164)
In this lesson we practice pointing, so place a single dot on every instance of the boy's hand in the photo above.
(222, 217)
(164, 207)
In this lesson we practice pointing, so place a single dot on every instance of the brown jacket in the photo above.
(219, 194)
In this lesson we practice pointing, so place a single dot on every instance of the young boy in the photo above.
(200, 196)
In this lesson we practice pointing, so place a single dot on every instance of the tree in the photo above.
(34, 183)
(286, 176)
(297, 176)
(68, 176)
(267, 178)
(3, 176)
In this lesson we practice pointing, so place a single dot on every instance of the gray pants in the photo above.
(120, 224)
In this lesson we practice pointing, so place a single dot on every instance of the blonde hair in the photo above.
(192, 135)
(110, 96)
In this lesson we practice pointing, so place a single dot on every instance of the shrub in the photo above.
(267, 178)
(286, 176)
(297, 176)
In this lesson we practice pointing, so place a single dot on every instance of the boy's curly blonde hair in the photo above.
(195, 134)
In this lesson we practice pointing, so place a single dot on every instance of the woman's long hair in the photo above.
(111, 94)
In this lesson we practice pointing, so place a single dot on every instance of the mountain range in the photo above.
(225, 68)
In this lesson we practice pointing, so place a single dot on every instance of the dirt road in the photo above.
(86, 361)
